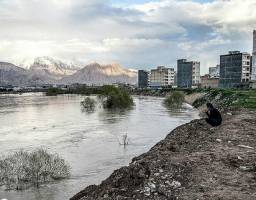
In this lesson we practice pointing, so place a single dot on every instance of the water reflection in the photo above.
(108, 116)
(88, 141)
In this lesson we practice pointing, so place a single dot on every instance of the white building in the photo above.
(214, 72)
(162, 77)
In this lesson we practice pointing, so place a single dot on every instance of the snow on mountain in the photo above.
(11, 74)
(44, 70)
(55, 69)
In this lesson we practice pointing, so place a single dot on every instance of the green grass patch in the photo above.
(229, 98)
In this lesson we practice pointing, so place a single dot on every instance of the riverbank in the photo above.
(195, 161)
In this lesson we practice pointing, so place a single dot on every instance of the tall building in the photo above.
(188, 73)
(253, 75)
(162, 77)
(214, 72)
(143, 78)
(235, 69)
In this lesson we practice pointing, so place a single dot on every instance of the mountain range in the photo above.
(46, 70)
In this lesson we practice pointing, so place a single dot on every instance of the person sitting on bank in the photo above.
(214, 116)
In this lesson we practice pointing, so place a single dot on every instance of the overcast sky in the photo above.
(135, 33)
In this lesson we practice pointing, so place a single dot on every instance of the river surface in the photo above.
(89, 142)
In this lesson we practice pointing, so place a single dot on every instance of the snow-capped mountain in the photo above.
(43, 70)
(11, 74)
(54, 69)
(95, 73)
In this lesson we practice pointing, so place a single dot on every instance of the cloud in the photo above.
(139, 35)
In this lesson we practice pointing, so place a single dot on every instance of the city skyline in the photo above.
(137, 34)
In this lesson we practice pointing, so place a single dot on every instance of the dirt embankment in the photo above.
(195, 161)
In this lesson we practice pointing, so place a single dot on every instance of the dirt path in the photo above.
(193, 162)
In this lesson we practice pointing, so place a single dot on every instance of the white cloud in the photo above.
(142, 35)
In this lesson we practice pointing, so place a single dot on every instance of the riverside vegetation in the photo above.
(22, 169)
(235, 98)
(88, 104)
(111, 98)
(232, 98)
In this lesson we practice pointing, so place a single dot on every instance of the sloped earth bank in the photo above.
(195, 161)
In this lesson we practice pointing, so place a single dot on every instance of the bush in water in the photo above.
(23, 169)
(174, 99)
(88, 104)
(116, 98)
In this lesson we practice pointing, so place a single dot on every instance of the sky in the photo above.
(139, 34)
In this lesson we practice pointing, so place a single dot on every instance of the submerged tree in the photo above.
(88, 104)
(22, 169)
(116, 98)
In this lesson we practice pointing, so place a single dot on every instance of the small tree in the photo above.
(124, 140)
(116, 98)
(88, 104)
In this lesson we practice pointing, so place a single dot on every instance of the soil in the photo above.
(194, 162)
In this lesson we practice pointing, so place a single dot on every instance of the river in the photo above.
(89, 142)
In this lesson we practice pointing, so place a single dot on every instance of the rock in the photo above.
(243, 168)
(147, 191)
(219, 140)
(152, 187)
(244, 146)
(175, 184)
(167, 182)
(239, 158)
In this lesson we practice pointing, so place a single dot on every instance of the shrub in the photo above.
(23, 169)
(174, 99)
(54, 91)
(124, 141)
(116, 98)
(199, 102)
(88, 104)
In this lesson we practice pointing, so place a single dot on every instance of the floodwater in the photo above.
(89, 142)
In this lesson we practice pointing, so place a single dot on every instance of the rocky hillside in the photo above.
(45, 70)
(13, 75)
(195, 161)
(102, 74)
(51, 68)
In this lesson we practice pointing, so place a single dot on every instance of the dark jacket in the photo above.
(214, 118)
